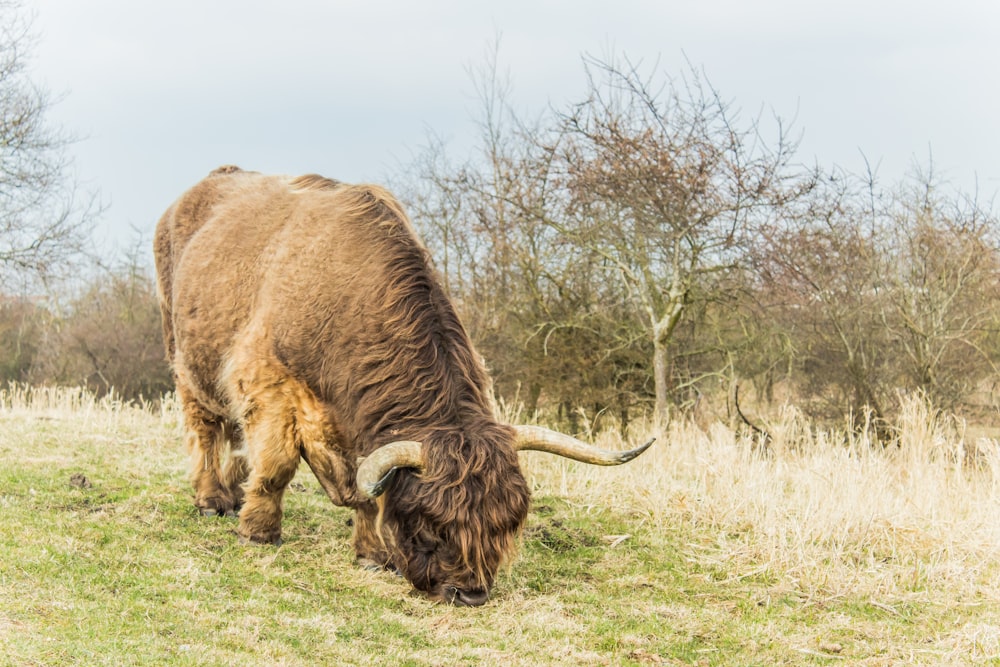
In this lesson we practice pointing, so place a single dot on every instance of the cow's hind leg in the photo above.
(217, 472)
(274, 456)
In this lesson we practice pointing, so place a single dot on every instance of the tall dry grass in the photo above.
(828, 513)
(55, 402)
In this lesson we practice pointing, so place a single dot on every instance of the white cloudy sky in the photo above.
(163, 92)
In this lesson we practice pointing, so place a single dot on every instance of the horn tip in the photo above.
(625, 457)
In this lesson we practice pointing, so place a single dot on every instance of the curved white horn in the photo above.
(376, 471)
(541, 439)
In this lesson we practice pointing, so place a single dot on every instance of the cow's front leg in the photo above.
(369, 548)
(274, 457)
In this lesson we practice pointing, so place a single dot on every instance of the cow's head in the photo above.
(453, 517)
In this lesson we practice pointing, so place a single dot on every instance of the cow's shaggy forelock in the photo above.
(455, 524)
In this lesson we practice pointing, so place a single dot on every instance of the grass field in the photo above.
(827, 551)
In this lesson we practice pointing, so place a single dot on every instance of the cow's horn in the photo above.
(378, 469)
(543, 440)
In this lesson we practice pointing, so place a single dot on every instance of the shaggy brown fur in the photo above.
(303, 319)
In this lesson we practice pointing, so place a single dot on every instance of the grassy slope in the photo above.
(120, 571)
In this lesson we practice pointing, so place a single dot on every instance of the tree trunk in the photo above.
(661, 365)
(663, 331)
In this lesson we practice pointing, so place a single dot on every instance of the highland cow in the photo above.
(303, 320)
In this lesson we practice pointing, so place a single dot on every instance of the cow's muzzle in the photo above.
(464, 598)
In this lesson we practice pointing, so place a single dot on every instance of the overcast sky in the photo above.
(162, 92)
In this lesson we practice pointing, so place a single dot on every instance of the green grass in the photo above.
(118, 569)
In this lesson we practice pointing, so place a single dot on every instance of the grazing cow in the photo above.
(303, 320)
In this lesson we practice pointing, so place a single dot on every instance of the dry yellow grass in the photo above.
(826, 515)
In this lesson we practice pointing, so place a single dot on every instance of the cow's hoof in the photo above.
(211, 511)
(370, 565)
(266, 538)
(217, 507)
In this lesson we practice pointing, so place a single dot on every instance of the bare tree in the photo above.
(665, 186)
(587, 235)
(42, 219)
